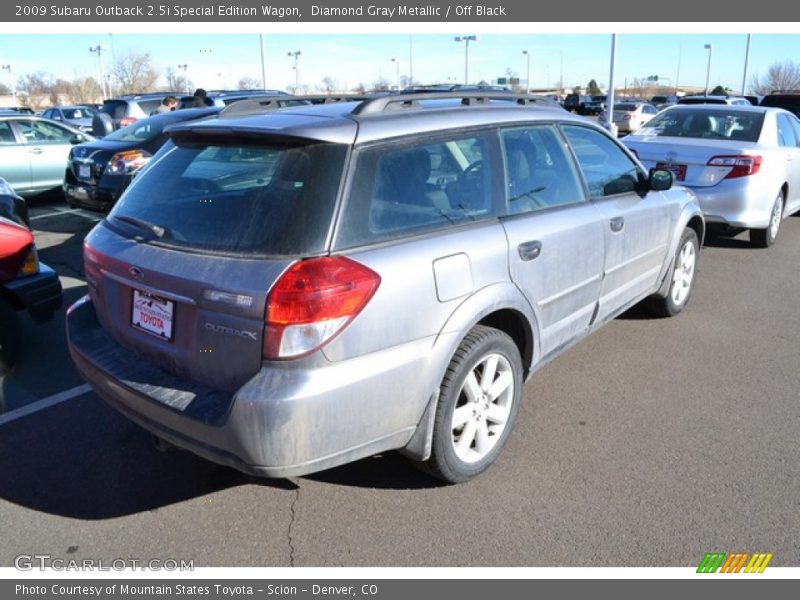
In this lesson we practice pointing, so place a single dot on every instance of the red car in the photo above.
(25, 284)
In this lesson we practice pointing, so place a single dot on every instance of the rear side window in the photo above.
(6, 135)
(401, 190)
(149, 106)
(606, 168)
(241, 198)
(539, 173)
(786, 135)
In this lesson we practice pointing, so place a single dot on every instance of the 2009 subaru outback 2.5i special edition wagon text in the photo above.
(283, 290)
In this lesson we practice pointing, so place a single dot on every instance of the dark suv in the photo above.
(786, 99)
(574, 102)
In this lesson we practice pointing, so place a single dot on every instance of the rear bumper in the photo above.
(286, 421)
(736, 202)
(41, 294)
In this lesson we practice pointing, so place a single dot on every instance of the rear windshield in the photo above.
(702, 101)
(658, 99)
(717, 124)
(626, 107)
(260, 198)
(114, 108)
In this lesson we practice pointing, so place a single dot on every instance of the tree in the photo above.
(83, 89)
(381, 85)
(36, 84)
(592, 88)
(360, 88)
(329, 85)
(134, 72)
(4, 89)
(177, 82)
(780, 76)
(720, 91)
(249, 83)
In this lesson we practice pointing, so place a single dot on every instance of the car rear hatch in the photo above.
(181, 269)
(88, 161)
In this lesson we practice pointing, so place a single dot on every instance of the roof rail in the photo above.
(403, 102)
(260, 104)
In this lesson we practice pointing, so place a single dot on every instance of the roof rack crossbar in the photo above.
(403, 102)
(256, 105)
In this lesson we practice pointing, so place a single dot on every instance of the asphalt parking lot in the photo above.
(651, 443)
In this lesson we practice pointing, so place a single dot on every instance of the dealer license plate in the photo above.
(152, 314)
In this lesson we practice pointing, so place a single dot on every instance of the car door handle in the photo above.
(616, 224)
(35, 150)
(530, 250)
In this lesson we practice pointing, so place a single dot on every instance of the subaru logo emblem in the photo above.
(136, 273)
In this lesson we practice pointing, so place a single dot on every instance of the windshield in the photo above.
(236, 197)
(706, 124)
(659, 99)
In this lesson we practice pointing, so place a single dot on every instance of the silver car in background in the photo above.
(742, 162)
(287, 290)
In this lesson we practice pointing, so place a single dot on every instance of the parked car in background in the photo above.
(662, 101)
(742, 162)
(99, 171)
(593, 107)
(13, 206)
(124, 110)
(79, 117)
(34, 151)
(22, 110)
(284, 291)
(729, 100)
(786, 100)
(25, 285)
(574, 102)
(630, 116)
(222, 98)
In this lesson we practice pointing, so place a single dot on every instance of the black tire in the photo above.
(481, 344)
(9, 337)
(675, 300)
(764, 238)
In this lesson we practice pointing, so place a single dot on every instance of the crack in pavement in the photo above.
(293, 513)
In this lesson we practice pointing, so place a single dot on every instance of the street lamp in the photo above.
(296, 55)
(528, 76)
(185, 69)
(710, 49)
(11, 81)
(466, 39)
(397, 64)
(99, 51)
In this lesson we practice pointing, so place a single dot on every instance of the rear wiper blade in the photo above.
(156, 230)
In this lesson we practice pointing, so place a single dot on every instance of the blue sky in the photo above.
(221, 60)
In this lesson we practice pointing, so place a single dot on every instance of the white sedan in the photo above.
(630, 116)
(742, 162)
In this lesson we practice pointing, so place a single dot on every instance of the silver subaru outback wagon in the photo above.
(284, 290)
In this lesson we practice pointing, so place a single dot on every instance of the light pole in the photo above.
(466, 39)
(11, 81)
(710, 48)
(296, 55)
(263, 63)
(746, 64)
(528, 76)
(99, 51)
(185, 69)
(612, 128)
(397, 64)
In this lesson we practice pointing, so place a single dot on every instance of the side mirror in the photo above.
(76, 139)
(660, 180)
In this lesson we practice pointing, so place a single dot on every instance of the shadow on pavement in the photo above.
(389, 471)
(82, 460)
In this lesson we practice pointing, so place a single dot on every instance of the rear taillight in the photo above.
(123, 163)
(125, 121)
(312, 302)
(740, 165)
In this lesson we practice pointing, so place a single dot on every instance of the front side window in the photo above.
(401, 190)
(236, 196)
(539, 172)
(606, 168)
